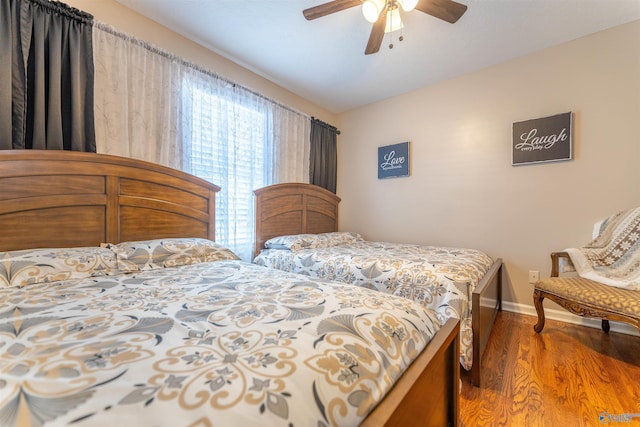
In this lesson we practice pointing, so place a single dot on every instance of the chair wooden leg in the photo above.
(605, 325)
(537, 301)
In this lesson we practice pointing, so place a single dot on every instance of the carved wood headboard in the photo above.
(294, 208)
(69, 199)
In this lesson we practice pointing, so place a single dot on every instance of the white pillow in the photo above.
(171, 252)
(297, 242)
(31, 266)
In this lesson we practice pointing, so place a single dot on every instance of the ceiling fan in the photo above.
(383, 13)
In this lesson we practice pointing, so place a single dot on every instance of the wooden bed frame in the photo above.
(296, 208)
(71, 199)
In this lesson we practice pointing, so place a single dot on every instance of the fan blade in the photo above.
(447, 10)
(329, 8)
(377, 32)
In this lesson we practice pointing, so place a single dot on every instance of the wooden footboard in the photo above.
(486, 301)
(427, 393)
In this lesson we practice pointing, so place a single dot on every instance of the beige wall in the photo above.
(463, 190)
(128, 21)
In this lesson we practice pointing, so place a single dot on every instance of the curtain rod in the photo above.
(326, 125)
(111, 30)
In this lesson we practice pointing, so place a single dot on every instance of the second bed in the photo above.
(296, 230)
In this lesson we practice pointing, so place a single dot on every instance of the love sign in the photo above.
(393, 160)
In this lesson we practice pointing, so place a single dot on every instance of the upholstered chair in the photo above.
(585, 297)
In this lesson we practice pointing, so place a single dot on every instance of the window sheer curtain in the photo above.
(155, 106)
(137, 99)
(46, 76)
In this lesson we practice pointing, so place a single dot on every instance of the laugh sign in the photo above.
(546, 139)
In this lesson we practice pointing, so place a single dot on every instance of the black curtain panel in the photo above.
(323, 162)
(47, 56)
(9, 43)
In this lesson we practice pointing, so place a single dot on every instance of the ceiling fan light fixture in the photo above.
(385, 14)
(371, 9)
(394, 22)
(408, 5)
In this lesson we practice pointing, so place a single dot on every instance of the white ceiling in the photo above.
(323, 60)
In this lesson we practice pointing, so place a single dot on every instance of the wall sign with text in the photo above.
(393, 160)
(548, 139)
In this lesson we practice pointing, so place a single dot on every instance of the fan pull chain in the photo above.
(401, 38)
(391, 32)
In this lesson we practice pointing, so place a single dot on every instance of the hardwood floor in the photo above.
(566, 376)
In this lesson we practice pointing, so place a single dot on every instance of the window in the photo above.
(227, 145)
(155, 106)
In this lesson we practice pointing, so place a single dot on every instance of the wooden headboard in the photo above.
(69, 199)
(294, 208)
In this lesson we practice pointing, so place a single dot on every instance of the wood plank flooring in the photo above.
(566, 376)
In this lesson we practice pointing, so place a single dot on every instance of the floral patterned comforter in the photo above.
(439, 278)
(222, 343)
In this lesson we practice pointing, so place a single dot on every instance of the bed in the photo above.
(162, 326)
(296, 230)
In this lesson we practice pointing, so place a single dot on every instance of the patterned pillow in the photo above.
(160, 253)
(31, 266)
(297, 242)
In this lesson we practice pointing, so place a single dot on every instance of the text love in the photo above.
(391, 161)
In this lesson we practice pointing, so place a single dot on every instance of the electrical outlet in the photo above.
(534, 276)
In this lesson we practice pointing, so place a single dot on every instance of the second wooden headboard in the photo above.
(294, 208)
(70, 199)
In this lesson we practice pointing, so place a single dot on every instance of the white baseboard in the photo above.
(565, 316)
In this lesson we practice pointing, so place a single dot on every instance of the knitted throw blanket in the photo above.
(613, 256)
